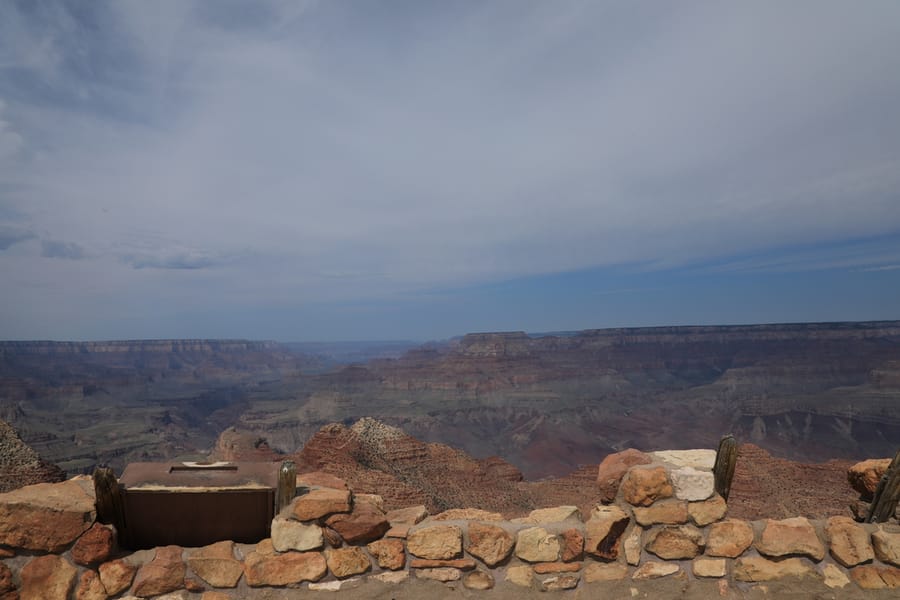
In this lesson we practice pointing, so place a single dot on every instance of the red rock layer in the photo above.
(20, 465)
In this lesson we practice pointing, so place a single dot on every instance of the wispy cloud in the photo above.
(54, 249)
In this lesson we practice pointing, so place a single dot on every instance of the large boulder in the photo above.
(346, 562)
(645, 484)
(864, 476)
(676, 542)
(604, 532)
(849, 542)
(490, 543)
(795, 536)
(614, 467)
(366, 523)
(887, 547)
(289, 534)
(536, 544)
(164, 574)
(440, 542)
(94, 546)
(216, 565)
(116, 576)
(320, 503)
(388, 553)
(729, 538)
(265, 567)
(46, 517)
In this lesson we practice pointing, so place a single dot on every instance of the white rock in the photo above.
(288, 534)
(704, 460)
(392, 576)
(692, 485)
(331, 586)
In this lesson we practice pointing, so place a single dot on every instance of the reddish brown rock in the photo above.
(729, 538)
(6, 552)
(6, 582)
(560, 582)
(192, 584)
(320, 503)
(116, 576)
(790, 536)
(389, 554)
(572, 545)
(870, 577)
(757, 568)
(333, 538)
(411, 515)
(614, 467)
(365, 524)
(848, 542)
(666, 512)
(46, 517)
(490, 543)
(654, 570)
(644, 485)
(440, 542)
(47, 577)
(604, 532)
(94, 546)
(887, 546)
(90, 587)
(164, 574)
(864, 476)
(676, 542)
(264, 567)
(708, 511)
(556, 567)
(345, 562)
(216, 565)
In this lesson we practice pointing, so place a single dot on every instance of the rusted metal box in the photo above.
(195, 504)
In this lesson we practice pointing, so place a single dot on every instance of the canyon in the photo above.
(545, 404)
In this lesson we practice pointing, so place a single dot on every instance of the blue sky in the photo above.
(417, 170)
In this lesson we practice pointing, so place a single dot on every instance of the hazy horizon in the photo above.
(301, 170)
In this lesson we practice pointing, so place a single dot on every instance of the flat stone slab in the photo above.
(703, 459)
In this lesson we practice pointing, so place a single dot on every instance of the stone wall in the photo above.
(662, 522)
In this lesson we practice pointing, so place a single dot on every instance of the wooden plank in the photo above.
(726, 459)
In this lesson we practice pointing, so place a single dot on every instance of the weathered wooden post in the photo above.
(287, 485)
(726, 459)
(110, 508)
(887, 494)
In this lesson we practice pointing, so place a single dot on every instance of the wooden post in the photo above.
(109, 502)
(287, 485)
(726, 459)
(887, 495)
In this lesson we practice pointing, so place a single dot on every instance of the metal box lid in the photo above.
(199, 476)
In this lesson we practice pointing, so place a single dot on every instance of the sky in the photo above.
(331, 170)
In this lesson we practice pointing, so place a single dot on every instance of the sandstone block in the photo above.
(757, 568)
(90, 587)
(708, 511)
(556, 567)
(116, 576)
(94, 546)
(614, 467)
(288, 534)
(392, 577)
(490, 543)
(887, 546)
(215, 596)
(644, 485)
(46, 517)
(164, 574)
(467, 514)
(536, 544)
(439, 542)
(345, 562)
(478, 580)
(373, 499)
(365, 524)
(834, 576)
(270, 569)
(333, 538)
(729, 538)
(560, 582)
(389, 554)
(708, 567)
(676, 542)
(666, 512)
(702, 459)
(320, 479)
(463, 564)
(870, 577)
(320, 503)
(47, 577)
(692, 484)
(572, 545)
(633, 546)
(216, 565)
(520, 575)
(544, 516)
(654, 570)
(790, 536)
(604, 531)
(864, 476)
(411, 515)
(594, 572)
(439, 574)
(849, 543)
